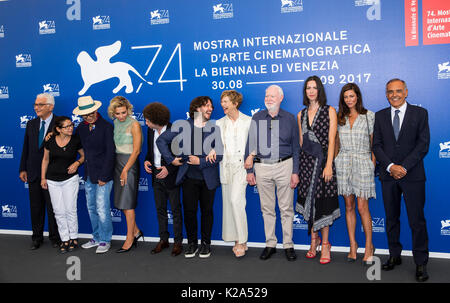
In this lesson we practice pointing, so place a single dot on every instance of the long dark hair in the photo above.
(321, 96)
(59, 122)
(344, 111)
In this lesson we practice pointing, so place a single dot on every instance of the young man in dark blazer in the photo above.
(400, 142)
(199, 177)
(157, 118)
(30, 170)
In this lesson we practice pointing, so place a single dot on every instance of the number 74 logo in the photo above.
(102, 69)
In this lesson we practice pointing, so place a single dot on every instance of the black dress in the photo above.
(317, 200)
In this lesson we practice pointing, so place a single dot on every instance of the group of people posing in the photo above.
(321, 153)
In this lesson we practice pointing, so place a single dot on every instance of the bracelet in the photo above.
(79, 163)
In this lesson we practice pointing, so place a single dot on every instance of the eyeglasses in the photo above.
(40, 105)
(89, 115)
(67, 126)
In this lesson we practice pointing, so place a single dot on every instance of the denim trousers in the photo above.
(99, 208)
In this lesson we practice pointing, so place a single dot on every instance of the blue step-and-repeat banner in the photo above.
(173, 51)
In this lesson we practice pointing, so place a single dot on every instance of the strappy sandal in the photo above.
(325, 260)
(73, 244)
(63, 247)
(310, 254)
(239, 252)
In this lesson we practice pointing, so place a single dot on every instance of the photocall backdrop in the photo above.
(173, 51)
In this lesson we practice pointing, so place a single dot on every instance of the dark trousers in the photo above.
(39, 201)
(414, 196)
(193, 192)
(162, 194)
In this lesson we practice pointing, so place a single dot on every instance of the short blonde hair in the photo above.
(119, 101)
(234, 96)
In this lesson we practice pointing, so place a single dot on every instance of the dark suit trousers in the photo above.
(414, 196)
(162, 194)
(39, 200)
(193, 192)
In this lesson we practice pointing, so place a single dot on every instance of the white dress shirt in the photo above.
(156, 152)
(401, 116)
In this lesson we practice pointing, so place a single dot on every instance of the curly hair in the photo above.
(119, 101)
(234, 96)
(157, 113)
(198, 102)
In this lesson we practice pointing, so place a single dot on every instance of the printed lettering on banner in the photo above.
(76, 120)
(436, 22)
(116, 215)
(81, 183)
(51, 88)
(444, 149)
(4, 92)
(24, 120)
(47, 27)
(101, 22)
(139, 117)
(445, 227)
(291, 6)
(159, 16)
(169, 217)
(374, 11)
(378, 225)
(9, 211)
(2, 31)
(299, 223)
(23, 60)
(223, 11)
(444, 70)
(143, 184)
(6, 152)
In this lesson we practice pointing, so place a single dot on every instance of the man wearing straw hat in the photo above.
(96, 136)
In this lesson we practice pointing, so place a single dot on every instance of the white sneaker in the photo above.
(90, 244)
(102, 248)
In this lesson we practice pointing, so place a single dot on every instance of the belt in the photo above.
(271, 161)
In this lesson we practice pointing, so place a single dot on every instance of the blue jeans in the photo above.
(99, 208)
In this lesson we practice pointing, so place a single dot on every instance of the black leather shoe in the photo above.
(290, 254)
(35, 245)
(421, 273)
(391, 262)
(267, 253)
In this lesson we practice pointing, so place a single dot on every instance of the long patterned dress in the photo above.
(317, 200)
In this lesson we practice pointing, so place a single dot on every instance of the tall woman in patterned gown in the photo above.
(317, 197)
(128, 141)
(355, 164)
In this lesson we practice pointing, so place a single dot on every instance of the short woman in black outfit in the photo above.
(59, 175)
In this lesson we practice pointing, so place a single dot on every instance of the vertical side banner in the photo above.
(436, 22)
(411, 23)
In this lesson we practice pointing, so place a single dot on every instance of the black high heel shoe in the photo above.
(369, 261)
(123, 250)
(138, 236)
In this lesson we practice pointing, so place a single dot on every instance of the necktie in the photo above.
(396, 124)
(41, 133)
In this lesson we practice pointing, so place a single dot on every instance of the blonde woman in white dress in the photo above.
(234, 127)
(355, 164)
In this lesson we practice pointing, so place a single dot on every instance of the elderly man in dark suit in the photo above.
(157, 118)
(400, 142)
(199, 177)
(30, 170)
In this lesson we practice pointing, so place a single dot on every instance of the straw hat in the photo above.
(86, 105)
